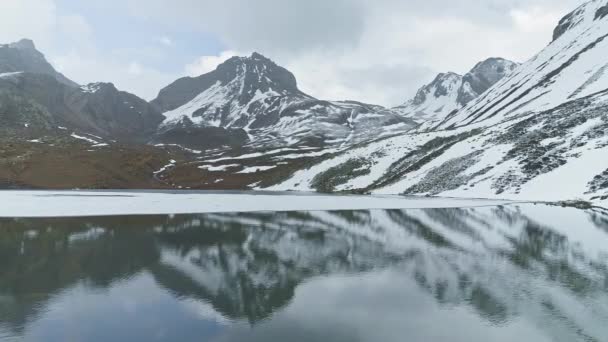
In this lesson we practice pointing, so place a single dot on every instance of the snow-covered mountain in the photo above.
(572, 67)
(540, 133)
(256, 95)
(450, 92)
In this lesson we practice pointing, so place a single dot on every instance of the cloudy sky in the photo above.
(377, 51)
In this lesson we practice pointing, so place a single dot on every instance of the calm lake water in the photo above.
(513, 273)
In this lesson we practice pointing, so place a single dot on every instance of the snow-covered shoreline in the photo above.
(17, 203)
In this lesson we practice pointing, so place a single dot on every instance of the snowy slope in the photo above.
(573, 66)
(546, 138)
(450, 92)
(435, 100)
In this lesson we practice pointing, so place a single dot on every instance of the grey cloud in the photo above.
(267, 25)
(371, 50)
(295, 26)
(385, 84)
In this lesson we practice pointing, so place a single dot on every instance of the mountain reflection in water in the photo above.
(534, 273)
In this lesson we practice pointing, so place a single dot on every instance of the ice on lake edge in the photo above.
(18, 203)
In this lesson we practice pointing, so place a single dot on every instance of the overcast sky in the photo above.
(377, 51)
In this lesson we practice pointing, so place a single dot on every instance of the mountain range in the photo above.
(535, 130)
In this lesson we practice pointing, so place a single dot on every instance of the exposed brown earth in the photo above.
(59, 164)
(58, 161)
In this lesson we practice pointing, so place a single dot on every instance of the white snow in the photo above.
(10, 74)
(91, 88)
(181, 147)
(218, 168)
(255, 169)
(165, 168)
(107, 203)
(80, 137)
(434, 107)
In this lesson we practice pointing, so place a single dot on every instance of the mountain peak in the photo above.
(450, 91)
(241, 80)
(446, 76)
(22, 56)
(491, 62)
(23, 44)
(259, 56)
(484, 75)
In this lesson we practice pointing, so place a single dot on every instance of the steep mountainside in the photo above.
(33, 94)
(540, 133)
(98, 108)
(572, 67)
(262, 98)
(450, 92)
(22, 56)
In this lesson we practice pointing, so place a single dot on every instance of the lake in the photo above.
(518, 272)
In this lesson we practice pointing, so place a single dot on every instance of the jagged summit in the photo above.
(242, 79)
(484, 75)
(450, 91)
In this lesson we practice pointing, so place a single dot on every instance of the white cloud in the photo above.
(166, 41)
(135, 69)
(132, 77)
(34, 19)
(205, 64)
(399, 52)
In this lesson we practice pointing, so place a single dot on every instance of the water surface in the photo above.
(518, 272)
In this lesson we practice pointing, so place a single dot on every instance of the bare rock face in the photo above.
(483, 76)
(98, 109)
(115, 113)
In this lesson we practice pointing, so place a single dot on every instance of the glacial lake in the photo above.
(519, 272)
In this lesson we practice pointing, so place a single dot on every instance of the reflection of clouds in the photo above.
(382, 306)
(204, 311)
(133, 310)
